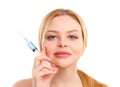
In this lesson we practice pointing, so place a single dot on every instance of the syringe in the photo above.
(30, 45)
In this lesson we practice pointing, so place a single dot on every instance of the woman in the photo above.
(62, 40)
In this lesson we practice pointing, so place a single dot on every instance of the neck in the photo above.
(67, 77)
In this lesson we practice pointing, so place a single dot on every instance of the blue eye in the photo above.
(72, 37)
(51, 37)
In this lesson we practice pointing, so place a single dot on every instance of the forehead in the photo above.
(64, 23)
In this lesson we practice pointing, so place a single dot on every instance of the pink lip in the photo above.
(62, 54)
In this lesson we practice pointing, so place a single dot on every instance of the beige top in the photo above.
(88, 81)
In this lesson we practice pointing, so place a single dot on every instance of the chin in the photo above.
(65, 64)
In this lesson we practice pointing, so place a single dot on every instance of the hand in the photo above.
(43, 70)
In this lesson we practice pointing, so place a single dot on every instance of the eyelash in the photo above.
(51, 37)
(71, 37)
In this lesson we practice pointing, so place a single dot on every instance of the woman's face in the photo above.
(64, 41)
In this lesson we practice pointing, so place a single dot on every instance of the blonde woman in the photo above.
(62, 40)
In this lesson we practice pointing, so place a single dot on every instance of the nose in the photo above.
(62, 44)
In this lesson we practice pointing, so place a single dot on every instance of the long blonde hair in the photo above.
(59, 12)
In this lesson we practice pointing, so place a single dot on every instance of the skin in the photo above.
(66, 36)
(63, 34)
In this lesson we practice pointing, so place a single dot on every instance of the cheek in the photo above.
(50, 47)
(78, 48)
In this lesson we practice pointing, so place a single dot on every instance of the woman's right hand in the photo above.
(43, 70)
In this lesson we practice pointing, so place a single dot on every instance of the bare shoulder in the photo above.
(23, 83)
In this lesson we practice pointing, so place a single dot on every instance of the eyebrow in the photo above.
(66, 31)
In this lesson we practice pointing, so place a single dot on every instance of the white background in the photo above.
(102, 19)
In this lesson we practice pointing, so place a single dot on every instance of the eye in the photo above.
(51, 37)
(73, 37)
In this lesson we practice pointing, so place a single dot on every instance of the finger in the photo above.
(46, 63)
(46, 72)
(39, 59)
(42, 69)
(43, 73)
(43, 52)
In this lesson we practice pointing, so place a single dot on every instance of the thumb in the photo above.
(43, 52)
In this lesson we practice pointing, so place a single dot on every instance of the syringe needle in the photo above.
(30, 45)
(23, 36)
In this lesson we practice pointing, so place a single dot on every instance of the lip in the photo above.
(62, 54)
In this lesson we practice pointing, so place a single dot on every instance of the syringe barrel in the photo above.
(33, 48)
